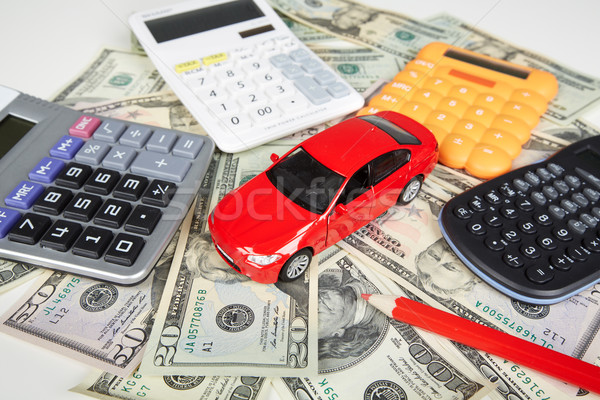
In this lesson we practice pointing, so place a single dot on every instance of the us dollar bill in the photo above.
(214, 320)
(113, 74)
(406, 245)
(13, 274)
(98, 323)
(577, 92)
(364, 354)
(383, 30)
(104, 385)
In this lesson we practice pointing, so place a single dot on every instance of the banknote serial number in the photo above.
(508, 322)
(329, 391)
(131, 386)
(523, 378)
(63, 294)
(192, 333)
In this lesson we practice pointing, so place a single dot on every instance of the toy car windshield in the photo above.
(305, 181)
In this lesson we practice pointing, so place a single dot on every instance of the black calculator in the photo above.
(92, 195)
(533, 233)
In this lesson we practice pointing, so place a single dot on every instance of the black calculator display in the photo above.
(533, 233)
(91, 195)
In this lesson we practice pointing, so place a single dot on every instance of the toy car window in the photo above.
(357, 185)
(400, 135)
(305, 181)
(383, 166)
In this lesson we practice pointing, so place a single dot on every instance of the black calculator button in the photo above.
(592, 244)
(61, 235)
(544, 174)
(463, 212)
(509, 212)
(53, 201)
(513, 260)
(159, 193)
(476, 228)
(493, 220)
(511, 235)
(492, 197)
(577, 226)
(130, 187)
(93, 242)
(596, 212)
(573, 181)
(538, 198)
(524, 204)
(547, 242)
(557, 212)
(83, 207)
(550, 192)
(494, 244)
(476, 203)
(526, 227)
(29, 229)
(580, 200)
(74, 175)
(102, 181)
(561, 186)
(562, 234)
(507, 190)
(542, 218)
(578, 253)
(531, 178)
(124, 250)
(588, 220)
(112, 214)
(569, 206)
(143, 219)
(530, 251)
(555, 169)
(562, 262)
(591, 194)
(539, 274)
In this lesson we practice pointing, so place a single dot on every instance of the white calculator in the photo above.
(240, 71)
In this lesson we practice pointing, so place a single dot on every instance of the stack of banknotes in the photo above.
(314, 338)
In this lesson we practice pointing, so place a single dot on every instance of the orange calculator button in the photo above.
(470, 129)
(368, 110)
(487, 161)
(455, 150)
(420, 64)
(441, 119)
(464, 93)
(426, 96)
(453, 105)
(483, 115)
(439, 132)
(411, 76)
(397, 88)
(502, 140)
(515, 126)
(531, 98)
(415, 110)
(521, 111)
(441, 86)
(491, 101)
(385, 101)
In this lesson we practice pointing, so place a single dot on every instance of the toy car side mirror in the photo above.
(274, 157)
(341, 209)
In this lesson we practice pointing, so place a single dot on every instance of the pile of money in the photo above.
(197, 329)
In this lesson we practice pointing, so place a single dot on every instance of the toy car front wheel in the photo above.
(410, 191)
(295, 266)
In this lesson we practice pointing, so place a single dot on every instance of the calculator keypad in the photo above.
(101, 190)
(533, 230)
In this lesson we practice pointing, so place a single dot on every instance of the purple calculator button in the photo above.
(66, 147)
(46, 170)
(8, 218)
(85, 126)
(24, 195)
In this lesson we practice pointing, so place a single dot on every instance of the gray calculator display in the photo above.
(92, 195)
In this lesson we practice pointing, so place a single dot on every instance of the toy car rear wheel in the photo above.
(411, 190)
(295, 266)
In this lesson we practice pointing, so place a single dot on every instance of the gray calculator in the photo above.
(91, 195)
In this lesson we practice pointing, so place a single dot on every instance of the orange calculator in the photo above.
(480, 109)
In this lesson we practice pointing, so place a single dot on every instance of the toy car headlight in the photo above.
(263, 260)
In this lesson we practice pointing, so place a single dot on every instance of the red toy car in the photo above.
(320, 192)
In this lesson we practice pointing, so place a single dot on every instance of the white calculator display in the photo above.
(240, 71)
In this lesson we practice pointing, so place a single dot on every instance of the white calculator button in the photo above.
(254, 65)
(225, 107)
(202, 82)
(237, 122)
(293, 104)
(240, 86)
(227, 73)
(280, 89)
(280, 60)
(264, 113)
(193, 74)
(213, 95)
(268, 77)
(292, 71)
(252, 99)
(240, 53)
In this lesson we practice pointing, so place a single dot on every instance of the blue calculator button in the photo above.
(8, 218)
(24, 195)
(66, 147)
(46, 170)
